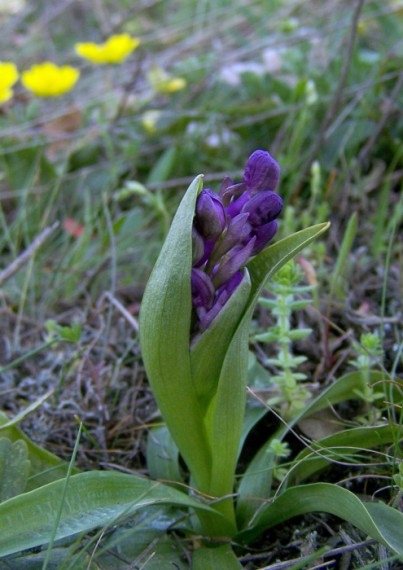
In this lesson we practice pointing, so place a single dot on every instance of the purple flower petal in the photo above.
(231, 193)
(210, 214)
(263, 234)
(197, 246)
(237, 230)
(202, 289)
(225, 184)
(223, 294)
(262, 208)
(262, 172)
(225, 291)
(231, 262)
(234, 208)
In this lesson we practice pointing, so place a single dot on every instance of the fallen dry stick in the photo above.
(27, 254)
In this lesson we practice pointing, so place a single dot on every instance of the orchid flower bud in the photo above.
(235, 207)
(262, 172)
(202, 289)
(235, 233)
(232, 262)
(197, 246)
(231, 192)
(263, 207)
(210, 214)
(224, 292)
(263, 234)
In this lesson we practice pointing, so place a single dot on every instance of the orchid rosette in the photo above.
(196, 314)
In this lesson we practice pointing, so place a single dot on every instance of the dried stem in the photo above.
(27, 254)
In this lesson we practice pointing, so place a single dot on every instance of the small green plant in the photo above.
(369, 352)
(286, 298)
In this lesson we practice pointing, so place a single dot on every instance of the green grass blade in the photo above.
(345, 248)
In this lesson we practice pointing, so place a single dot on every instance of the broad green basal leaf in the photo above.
(255, 484)
(165, 320)
(218, 558)
(377, 520)
(208, 353)
(162, 455)
(14, 468)
(93, 499)
(340, 447)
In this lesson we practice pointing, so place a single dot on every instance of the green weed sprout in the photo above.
(369, 351)
(286, 292)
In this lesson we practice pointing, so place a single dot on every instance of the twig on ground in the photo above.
(129, 318)
(26, 255)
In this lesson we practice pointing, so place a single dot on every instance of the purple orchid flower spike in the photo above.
(262, 172)
(229, 228)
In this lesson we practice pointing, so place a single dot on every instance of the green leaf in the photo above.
(45, 467)
(261, 268)
(163, 167)
(25, 412)
(225, 419)
(255, 484)
(220, 557)
(162, 455)
(92, 499)
(271, 259)
(345, 248)
(14, 468)
(142, 543)
(165, 338)
(379, 521)
(338, 447)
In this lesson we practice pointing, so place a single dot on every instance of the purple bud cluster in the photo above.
(229, 228)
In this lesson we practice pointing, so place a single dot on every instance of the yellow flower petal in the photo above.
(149, 120)
(172, 85)
(114, 50)
(162, 83)
(8, 75)
(5, 95)
(48, 80)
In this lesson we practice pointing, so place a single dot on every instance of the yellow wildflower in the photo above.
(114, 50)
(8, 76)
(162, 83)
(48, 80)
(149, 120)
